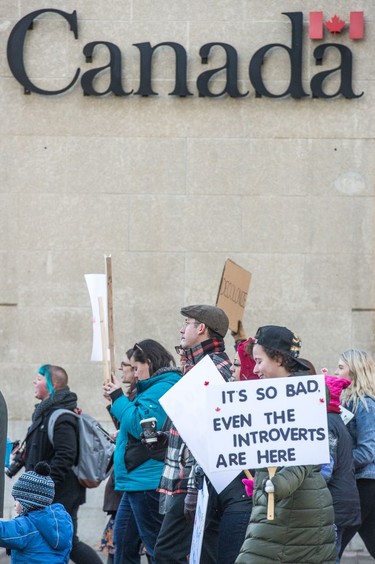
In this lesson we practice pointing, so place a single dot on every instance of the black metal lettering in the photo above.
(114, 65)
(346, 70)
(295, 88)
(231, 72)
(15, 50)
(147, 51)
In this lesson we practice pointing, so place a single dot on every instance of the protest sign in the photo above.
(97, 287)
(199, 522)
(185, 404)
(263, 423)
(233, 290)
(101, 298)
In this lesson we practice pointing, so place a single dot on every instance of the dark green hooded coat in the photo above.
(302, 531)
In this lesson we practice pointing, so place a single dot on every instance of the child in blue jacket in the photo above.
(42, 531)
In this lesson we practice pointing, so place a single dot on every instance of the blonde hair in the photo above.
(362, 374)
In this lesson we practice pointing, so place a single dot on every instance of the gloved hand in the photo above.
(249, 486)
(269, 487)
(240, 334)
(161, 442)
(190, 505)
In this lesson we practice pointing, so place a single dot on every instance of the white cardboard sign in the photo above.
(97, 287)
(186, 405)
(262, 423)
(199, 522)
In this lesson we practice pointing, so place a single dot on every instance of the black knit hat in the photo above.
(35, 489)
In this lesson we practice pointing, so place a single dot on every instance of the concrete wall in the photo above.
(171, 187)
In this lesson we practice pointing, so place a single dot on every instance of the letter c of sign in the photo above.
(16, 45)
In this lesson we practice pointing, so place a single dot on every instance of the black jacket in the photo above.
(62, 455)
(342, 483)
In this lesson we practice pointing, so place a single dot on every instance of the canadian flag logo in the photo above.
(336, 25)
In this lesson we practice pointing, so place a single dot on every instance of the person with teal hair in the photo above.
(44, 371)
(51, 388)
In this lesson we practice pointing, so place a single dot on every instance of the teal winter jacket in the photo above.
(129, 414)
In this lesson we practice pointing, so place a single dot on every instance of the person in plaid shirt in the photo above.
(202, 333)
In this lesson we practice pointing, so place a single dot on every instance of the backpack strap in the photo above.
(53, 418)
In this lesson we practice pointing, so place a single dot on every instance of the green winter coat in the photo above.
(302, 531)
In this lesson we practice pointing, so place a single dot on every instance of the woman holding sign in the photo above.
(302, 529)
(359, 398)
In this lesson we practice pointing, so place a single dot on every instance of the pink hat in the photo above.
(247, 362)
(336, 386)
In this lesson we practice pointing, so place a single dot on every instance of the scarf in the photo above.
(61, 398)
(215, 348)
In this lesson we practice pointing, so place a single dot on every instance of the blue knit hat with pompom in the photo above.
(35, 489)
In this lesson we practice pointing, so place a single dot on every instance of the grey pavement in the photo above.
(356, 557)
(349, 557)
(4, 559)
(356, 554)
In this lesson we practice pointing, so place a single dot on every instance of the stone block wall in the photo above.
(170, 187)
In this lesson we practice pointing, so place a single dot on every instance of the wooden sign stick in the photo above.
(271, 496)
(248, 475)
(104, 341)
(111, 342)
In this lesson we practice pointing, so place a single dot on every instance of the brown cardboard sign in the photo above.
(233, 290)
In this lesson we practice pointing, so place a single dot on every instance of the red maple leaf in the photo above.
(217, 409)
(335, 25)
(206, 383)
